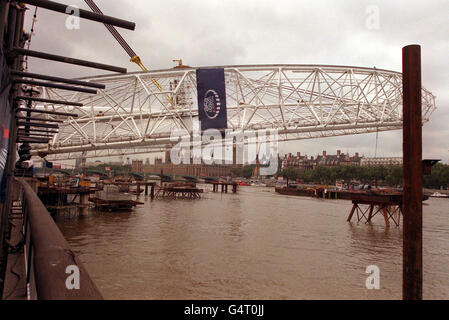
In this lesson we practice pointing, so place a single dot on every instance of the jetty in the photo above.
(65, 201)
(111, 199)
(134, 187)
(179, 191)
(224, 186)
(366, 204)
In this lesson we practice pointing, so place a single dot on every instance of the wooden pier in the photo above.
(183, 191)
(114, 205)
(125, 186)
(56, 199)
(368, 205)
(224, 186)
(111, 199)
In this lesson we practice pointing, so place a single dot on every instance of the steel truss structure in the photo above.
(137, 112)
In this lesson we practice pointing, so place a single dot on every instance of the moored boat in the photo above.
(439, 195)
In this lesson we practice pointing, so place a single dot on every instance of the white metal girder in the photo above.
(300, 101)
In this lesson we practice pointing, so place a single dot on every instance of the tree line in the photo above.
(382, 175)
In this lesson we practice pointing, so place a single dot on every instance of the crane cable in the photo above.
(112, 30)
(31, 35)
(132, 54)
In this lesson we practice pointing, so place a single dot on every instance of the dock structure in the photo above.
(179, 192)
(368, 205)
(149, 186)
(224, 186)
(57, 200)
(111, 199)
(114, 205)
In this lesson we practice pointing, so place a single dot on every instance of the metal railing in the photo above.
(53, 271)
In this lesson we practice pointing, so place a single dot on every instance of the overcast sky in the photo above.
(226, 32)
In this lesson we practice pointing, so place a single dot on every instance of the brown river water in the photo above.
(255, 244)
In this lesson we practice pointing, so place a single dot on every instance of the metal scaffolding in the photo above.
(131, 115)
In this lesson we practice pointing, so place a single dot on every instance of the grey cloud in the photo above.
(217, 32)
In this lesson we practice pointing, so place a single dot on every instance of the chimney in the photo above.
(324, 153)
(338, 153)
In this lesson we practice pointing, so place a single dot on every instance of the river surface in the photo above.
(255, 244)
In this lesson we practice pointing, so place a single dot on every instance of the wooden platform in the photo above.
(114, 205)
(54, 190)
(366, 206)
(179, 192)
(126, 187)
(224, 186)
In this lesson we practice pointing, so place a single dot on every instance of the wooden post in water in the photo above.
(412, 171)
(84, 200)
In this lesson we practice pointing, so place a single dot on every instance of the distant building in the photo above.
(304, 162)
(137, 166)
(381, 161)
(86, 164)
(181, 169)
(299, 161)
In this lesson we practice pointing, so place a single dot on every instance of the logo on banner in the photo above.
(211, 90)
(212, 104)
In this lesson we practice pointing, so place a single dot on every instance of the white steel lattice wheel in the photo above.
(301, 101)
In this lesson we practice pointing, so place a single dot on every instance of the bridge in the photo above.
(136, 112)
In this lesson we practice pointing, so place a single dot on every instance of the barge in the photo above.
(111, 199)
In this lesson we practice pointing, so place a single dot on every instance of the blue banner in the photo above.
(211, 99)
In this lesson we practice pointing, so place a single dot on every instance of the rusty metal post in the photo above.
(412, 171)
(354, 206)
